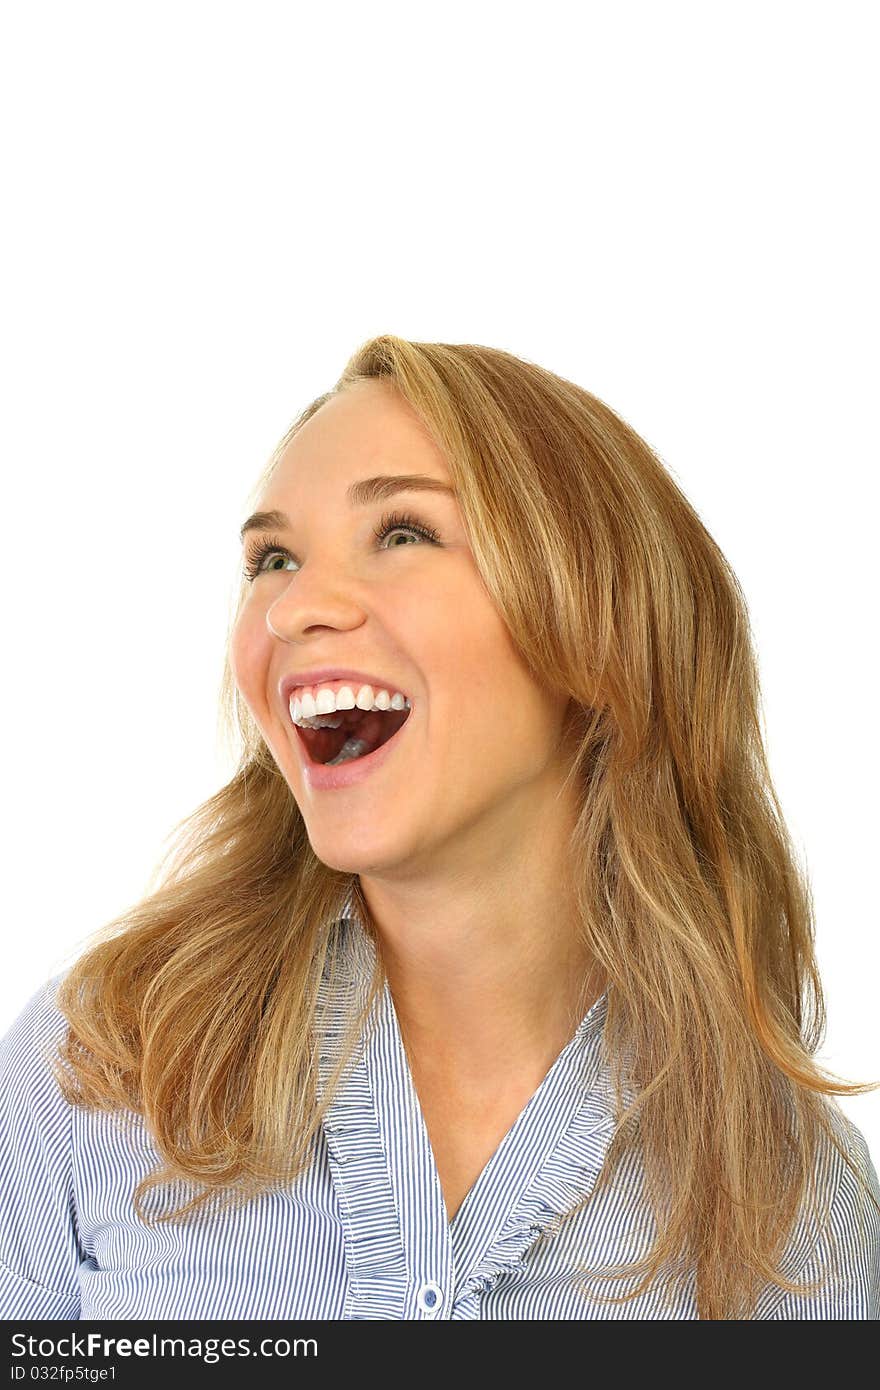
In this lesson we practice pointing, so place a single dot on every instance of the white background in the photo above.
(208, 207)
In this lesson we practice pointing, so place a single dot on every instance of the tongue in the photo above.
(372, 728)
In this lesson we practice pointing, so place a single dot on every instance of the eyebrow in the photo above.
(359, 494)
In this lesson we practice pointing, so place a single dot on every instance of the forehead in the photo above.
(368, 428)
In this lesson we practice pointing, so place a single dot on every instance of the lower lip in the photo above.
(327, 779)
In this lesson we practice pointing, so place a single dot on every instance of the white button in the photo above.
(430, 1297)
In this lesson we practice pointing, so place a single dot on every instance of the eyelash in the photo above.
(391, 521)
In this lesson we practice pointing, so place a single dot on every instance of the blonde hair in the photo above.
(197, 1008)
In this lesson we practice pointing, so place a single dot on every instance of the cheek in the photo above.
(515, 734)
(492, 746)
(248, 658)
(480, 657)
(503, 730)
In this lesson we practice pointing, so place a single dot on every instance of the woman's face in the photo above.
(472, 770)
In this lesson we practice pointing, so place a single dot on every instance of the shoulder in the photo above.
(30, 1097)
(854, 1223)
(844, 1253)
(39, 1255)
(39, 1022)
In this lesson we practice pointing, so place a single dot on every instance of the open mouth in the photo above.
(360, 733)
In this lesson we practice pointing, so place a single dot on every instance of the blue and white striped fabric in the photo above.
(364, 1232)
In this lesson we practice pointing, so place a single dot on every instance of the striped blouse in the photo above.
(364, 1232)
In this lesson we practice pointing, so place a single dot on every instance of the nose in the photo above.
(321, 600)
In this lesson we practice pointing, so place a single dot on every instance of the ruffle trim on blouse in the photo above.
(566, 1179)
(374, 1243)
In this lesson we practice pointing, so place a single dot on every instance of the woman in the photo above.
(486, 988)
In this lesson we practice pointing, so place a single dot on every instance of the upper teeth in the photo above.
(310, 709)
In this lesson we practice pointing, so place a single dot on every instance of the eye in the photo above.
(394, 521)
(258, 552)
(402, 521)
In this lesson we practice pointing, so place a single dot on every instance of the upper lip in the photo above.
(289, 683)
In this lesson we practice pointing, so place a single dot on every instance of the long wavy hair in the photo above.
(197, 1008)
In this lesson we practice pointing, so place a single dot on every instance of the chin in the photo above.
(351, 858)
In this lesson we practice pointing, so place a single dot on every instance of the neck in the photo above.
(489, 976)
